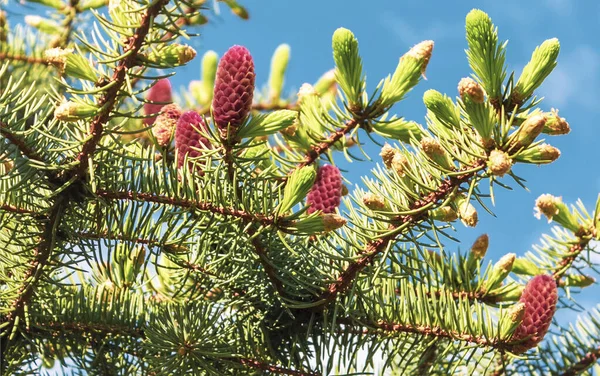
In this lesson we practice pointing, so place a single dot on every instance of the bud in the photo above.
(577, 280)
(540, 297)
(499, 272)
(523, 266)
(306, 90)
(3, 26)
(442, 107)
(478, 250)
(527, 132)
(467, 87)
(507, 293)
(297, 187)
(165, 124)
(539, 154)
(387, 154)
(209, 72)
(374, 202)
(70, 64)
(555, 125)
(279, 64)
(56, 4)
(512, 319)
(198, 19)
(159, 93)
(400, 164)
(326, 193)
(480, 246)
(234, 88)
(398, 129)
(432, 148)
(444, 214)
(237, 9)
(499, 163)
(535, 72)
(188, 138)
(466, 211)
(348, 72)
(411, 67)
(555, 210)
(170, 56)
(44, 25)
(71, 111)
(326, 83)
(332, 222)
(344, 190)
(92, 4)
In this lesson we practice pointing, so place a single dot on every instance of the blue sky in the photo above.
(387, 29)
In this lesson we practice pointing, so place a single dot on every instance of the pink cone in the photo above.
(234, 88)
(540, 297)
(326, 193)
(187, 138)
(160, 92)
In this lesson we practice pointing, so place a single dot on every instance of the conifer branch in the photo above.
(574, 251)
(20, 144)
(202, 206)
(259, 249)
(109, 99)
(374, 248)
(32, 275)
(365, 327)
(316, 151)
(584, 363)
(252, 363)
(14, 209)
(23, 58)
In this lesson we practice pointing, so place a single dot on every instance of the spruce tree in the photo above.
(213, 233)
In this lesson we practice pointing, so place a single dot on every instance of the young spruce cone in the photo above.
(234, 88)
(540, 297)
(160, 92)
(326, 193)
(187, 138)
(165, 124)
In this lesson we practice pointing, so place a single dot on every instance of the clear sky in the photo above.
(387, 29)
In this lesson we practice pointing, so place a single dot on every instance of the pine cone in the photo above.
(160, 92)
(234, 88)
(540, 297)
(326, 193)
(187, 138)
(165, 124)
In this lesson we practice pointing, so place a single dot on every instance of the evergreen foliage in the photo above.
(142, 239)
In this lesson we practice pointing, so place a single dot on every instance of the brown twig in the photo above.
(20, 144)
(566, 262)
(109, 99)
(203, 206)
(584, 363)
(23, 58)
(252, 363)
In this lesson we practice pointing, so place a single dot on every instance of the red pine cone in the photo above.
(187, 138)
(234, 88)
(326, 193)
(540, 297)
(160, 92)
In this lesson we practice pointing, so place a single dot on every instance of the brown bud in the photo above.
(468, 87)
(373, 201)
(499, 163)
(387, 154)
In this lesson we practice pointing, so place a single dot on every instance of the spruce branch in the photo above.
(109, 99)
(566, 262)
(24, 58)
(20, 144)
(374, 248)
(14, 209)
(263, 219)
(33, 274)
(583, 364)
